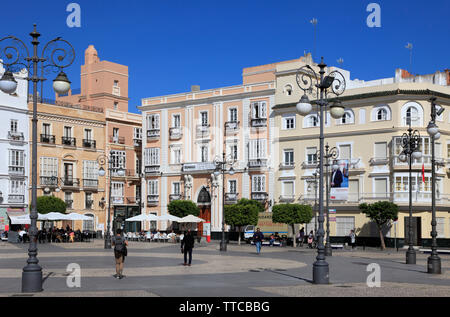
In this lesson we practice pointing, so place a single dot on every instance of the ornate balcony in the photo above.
(174, 197)
(287, 198)
(151, 169)
(152, 200)
(116, 139)
(260, 196)
(137, 142)
(175, 133)
(68, 141)
(379, 161)
(232, 126)
(16, 199)
(287, 166)
(202, 130)
(117, 200)
(200, 167)
(16, 170)
(70, 182)
(258, 122)
(153, 133)
(90, 183)
(49, 181)
(89, 144)
(15, 136)
(231, 198)
(257, 163)
(46, 138)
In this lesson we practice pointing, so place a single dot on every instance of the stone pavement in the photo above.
(155, 269)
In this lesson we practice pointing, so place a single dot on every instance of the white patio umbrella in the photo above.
(191, 219)
(55, 216)
(143, 217)
(25, 219)
(169, 218)
(75, 216)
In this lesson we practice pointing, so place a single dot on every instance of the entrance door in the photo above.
(68, 174)
(416, 229)
(204, 203)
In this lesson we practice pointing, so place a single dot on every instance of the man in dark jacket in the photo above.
(187, 244)
(258, 237)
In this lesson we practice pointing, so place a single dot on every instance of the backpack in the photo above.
(118, 244)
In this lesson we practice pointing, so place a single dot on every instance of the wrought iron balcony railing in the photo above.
(231, 198)
(175, 133)
(90, 183)
(49, 181)
(153, 133)
(16, 199)
(258, 122)
(90, 144)
(46, 138)
(68, 141)
(152, 200)
(15, 136)
(16, 170)
(260, 196)
(70, 182)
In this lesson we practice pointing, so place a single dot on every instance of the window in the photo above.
(118, 159)
(288, 90)
(90, 171)
(232, 115)
(259, 110)
(311, 155)
(288, 189)
(153, 122)
(381, 115)
(116, 135)
(88, 134)
(137, 133)
(345, 152)
(49, 167)
(176, 155)
(233, 151)
(16, 161)
(13, 126)
(204, 153)
(381, 187)
(381, 150)
(176, 121)
(117, 192)
(138, 165)
(88, 202)
(67, 132)
(151, 156)
(411, 115)
(176, 188)
(258, 149)
(116, 105)
(16, 187)
(311, 121)
(232, 186)
(289, 122)
(153, 187)
(412, 112)
(46, 129)
(448, 150)
(116, 83)
(204, 118)
(344, 225)
(347, 118)
(68, 199)
(288, 157)
(88, 225)
(259, 183)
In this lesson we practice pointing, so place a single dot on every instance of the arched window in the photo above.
(347, 118)
(89, 224)
(411, 115)
(412, 112)
(288, 90)
(311, 121)
(381, 113)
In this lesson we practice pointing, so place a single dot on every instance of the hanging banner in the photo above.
(339, 180)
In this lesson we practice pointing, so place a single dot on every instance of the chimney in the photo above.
(195, 88)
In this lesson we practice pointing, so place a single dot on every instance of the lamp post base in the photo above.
(410, 256)
(107, 242)
(32, 279)
(321, 273)
(434, 265)
(223, 246)
(328, 250)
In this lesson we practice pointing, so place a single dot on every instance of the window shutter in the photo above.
(381, 150)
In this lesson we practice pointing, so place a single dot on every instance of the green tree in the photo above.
(46, 204)
(183, 208)
(246, 202)
(292, 214)
(381, 212)
(244, 213)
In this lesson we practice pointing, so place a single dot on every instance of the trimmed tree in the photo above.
(46, 204)
(183, 208)
(381, 212)
(292, 214)
(242, 214)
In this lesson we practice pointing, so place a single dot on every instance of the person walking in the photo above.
(187, 244)
(120, 251)
(352, 236)
(302, 236)
(258, 237)
(310, 239)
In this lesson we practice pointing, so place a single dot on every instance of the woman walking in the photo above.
(120, 251)
(187, 244)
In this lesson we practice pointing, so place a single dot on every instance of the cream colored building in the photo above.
(367, 137)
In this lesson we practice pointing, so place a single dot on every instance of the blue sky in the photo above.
(171, 45)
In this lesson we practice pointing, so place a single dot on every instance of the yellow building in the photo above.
(70, 139)
(368, 138)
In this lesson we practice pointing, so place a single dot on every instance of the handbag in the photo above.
(125, 250)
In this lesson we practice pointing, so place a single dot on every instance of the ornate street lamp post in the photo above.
(411, 146)
(14, 56)
(334, 82)
(434, 261)
(221, 169)
(332, 153)
(113, 165)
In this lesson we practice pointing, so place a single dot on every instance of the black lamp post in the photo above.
(315, 210)
(14, 55)
(411, 146)
(221, 169)
(434, 261)
(102, 160)
(332, 153)
(334, 82)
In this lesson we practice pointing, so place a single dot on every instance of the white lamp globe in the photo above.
(121, 172)
(437, 136)
(417, 155)
(231, 171)
(337, 111)
(7, 83)
(402, 157)
(101, 172)
(61, 84)
(304, 107)
(216, 173)
(432, 129)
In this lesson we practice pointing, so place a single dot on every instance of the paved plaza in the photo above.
(156, 270)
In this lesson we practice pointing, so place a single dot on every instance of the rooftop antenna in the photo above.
(340, 62)
(314, 23)
(410, 47)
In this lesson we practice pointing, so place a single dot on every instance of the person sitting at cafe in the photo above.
(172, 236)
(272, 239)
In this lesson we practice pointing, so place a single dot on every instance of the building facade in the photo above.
(104, 86)
(14, 149)
(368, 138)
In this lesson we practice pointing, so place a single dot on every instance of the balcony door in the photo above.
(68, 173)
